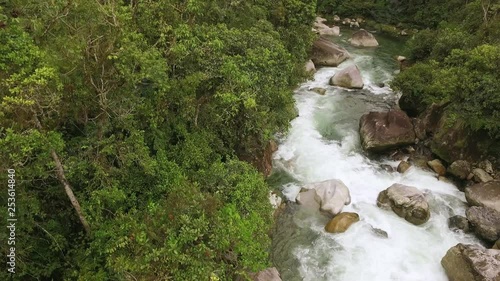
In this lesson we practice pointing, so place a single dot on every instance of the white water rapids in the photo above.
(323, 143)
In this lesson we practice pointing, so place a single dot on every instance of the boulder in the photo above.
(437, 167)
(269, 274)
(324, 29)
(318, 90)
(480, 175)
(319, 20)
(341, 222)
(333, 31)
(354, 24)
(381, 131)
(310, 68)
(329, 195)
(485, 222)
(459, 222)
(460, 169)
(336, 18)
(363, 38)
(471, 263)
(307, 199)
(486, 166)
(484, 195)
(406, 201)
(349, 77)
(403, 166)
(326, 53)
(497, 245)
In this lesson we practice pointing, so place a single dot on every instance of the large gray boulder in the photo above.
(406, 201)
(485, 222)
(329, 196)
(363, 38)
(471, 263)
(380, 131)
(349, 77)
(326, 53)
(485, 194)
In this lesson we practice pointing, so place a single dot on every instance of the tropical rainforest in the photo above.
(134, 126)
(143, 109)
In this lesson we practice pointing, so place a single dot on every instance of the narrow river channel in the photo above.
(323, 143)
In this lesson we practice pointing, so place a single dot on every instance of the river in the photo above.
(323, 143)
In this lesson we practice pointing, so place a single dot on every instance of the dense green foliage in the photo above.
(414, 13)
(148, 104)
(457, 65)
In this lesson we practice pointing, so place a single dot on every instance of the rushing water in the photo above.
(323, 143)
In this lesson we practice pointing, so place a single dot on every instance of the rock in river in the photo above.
(406, 201)
(437, 167)
(459, 222)
(324, 29)
(349, 77)
(326, 53)
(330, 196)
(381, 131)
(485, 222)
(363, 38)
(403, 167)
(471, 263)
(341, 222)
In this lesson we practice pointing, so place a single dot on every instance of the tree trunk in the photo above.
(69, 191)
(62, 178)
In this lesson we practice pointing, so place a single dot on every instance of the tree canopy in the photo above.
(143, 110)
